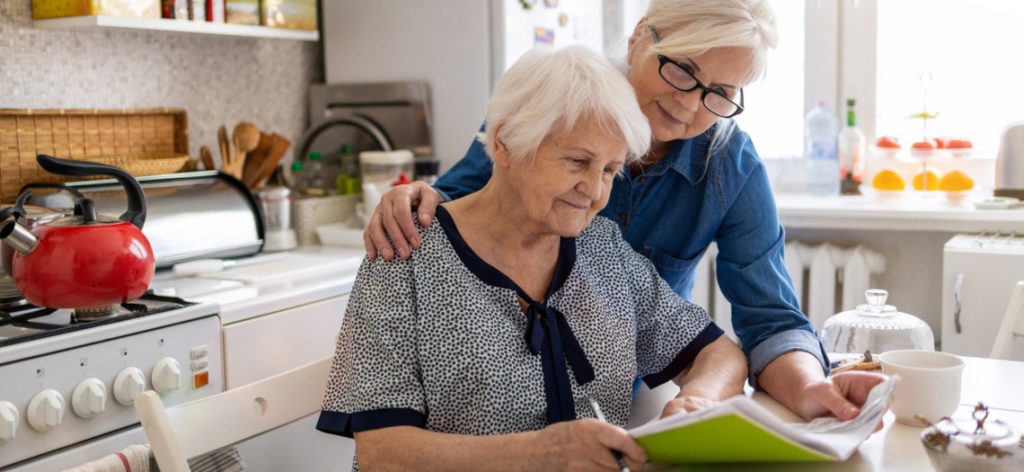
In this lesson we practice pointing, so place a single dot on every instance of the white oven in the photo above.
(66, 387)
(979, 274)
(279, 312)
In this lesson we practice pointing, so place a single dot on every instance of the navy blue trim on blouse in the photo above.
(547, 332)
(685, 357)
(347, 424)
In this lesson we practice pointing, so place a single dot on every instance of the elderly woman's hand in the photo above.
(586, 444)
(393, 218)
(686, 404)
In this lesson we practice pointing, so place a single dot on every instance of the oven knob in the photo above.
(46, 410)
(89, 398)
(166, 375)
(127, 384)
(9, 415)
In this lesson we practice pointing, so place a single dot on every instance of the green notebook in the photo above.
(740, 430)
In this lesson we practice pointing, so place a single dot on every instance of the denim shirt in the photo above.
(675, 208)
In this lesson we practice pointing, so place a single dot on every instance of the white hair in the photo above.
(546, 92)
(692, 27)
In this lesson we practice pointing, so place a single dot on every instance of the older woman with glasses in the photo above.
(701, 182)
(485, 349)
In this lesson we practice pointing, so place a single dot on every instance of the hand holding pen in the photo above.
(623, 467)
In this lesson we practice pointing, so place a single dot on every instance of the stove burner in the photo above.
(28, 322)
(95, 313)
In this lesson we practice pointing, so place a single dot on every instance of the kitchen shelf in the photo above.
(181, 26)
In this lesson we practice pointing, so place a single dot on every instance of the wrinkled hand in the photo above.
(841, 395)
(393, 218)
(686, 404)
(586, 444)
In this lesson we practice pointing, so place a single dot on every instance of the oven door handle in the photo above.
(957, 286)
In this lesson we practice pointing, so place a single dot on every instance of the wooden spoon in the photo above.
(207, 157)
(225, 146)
(254, 158)
(277, 150)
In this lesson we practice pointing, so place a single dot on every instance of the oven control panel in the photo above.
(62, 398)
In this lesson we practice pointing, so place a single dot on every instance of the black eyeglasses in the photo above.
(680, 77)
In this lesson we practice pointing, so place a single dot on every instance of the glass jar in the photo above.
(380, 171)
(876, 327)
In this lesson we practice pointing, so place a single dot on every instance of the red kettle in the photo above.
(86, 260)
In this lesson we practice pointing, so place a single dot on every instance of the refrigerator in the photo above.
(459, 47)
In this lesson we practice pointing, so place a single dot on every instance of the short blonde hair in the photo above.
(547, 91)
(692, 27)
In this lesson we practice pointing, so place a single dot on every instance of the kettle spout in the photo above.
(19, 238)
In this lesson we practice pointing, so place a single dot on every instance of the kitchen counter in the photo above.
(895, 214)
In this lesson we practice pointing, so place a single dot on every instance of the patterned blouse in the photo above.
(441, 342)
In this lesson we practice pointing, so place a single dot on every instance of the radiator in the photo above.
(828, 279)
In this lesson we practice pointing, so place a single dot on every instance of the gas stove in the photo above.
(28, 322)
(69, 378)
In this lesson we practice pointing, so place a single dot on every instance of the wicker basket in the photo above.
(140, 141)
(311, 212)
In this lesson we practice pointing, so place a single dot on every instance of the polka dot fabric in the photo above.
(425, 342)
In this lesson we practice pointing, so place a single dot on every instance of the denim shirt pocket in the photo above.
(677, 272)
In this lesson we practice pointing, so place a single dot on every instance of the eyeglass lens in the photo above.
(683, 80)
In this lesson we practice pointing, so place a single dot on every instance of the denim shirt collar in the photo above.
(688, 157)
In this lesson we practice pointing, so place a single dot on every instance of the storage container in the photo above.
(43, 9)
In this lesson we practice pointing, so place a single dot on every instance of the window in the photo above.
(970, 50)
(775, 104)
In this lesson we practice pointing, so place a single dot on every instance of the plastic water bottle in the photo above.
(821, 129)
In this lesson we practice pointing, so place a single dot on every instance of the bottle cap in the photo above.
(314, 156)
(297, 166)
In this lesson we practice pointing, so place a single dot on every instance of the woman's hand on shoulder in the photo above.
(587, 444)
(393, 218)
(686, 404)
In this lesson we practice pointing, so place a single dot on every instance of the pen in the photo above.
(600, 417)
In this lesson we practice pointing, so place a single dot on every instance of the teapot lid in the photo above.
(978, 437)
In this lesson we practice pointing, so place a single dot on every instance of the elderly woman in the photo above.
(701, 182)
(484, 348)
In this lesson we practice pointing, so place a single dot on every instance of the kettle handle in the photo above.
(136, 213)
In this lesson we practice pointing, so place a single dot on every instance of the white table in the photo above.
(1000, 384)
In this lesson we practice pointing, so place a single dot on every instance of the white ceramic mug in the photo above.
(929, 384)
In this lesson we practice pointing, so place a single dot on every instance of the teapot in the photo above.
(876, 327)
(83, 260)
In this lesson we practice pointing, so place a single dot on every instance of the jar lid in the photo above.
(396, 157)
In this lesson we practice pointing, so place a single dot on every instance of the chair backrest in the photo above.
(1012, 325)
(208, 424)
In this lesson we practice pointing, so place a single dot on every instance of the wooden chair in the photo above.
(1012, 326)
(195, 428)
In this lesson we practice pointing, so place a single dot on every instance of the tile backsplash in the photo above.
(216, 79)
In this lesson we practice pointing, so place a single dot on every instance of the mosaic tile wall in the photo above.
(216, 79)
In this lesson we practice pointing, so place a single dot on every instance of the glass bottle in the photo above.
(852, 149)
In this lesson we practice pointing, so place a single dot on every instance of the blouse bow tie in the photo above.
(549, 334)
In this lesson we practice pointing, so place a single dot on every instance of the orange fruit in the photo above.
(926, 145)
(956, 181)
(927, 180)
(888, 180)
(888, 142)
(959, 144)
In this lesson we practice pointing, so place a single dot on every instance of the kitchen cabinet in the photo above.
(180, 26)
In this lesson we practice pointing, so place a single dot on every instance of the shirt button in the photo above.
(623, 217)
(643, 180)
